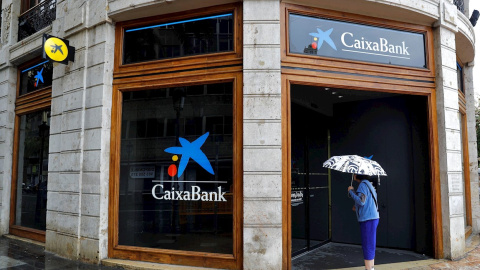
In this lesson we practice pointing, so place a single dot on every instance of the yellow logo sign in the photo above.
(56, 49)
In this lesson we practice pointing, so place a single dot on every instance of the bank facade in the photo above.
(194, 132)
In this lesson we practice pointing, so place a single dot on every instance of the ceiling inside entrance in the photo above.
(322, 99)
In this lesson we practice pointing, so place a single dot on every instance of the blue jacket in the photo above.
(366, 210)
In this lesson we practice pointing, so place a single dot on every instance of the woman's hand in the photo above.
(350, 188)
(354, 208)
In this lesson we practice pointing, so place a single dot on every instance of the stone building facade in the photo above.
(265, 80)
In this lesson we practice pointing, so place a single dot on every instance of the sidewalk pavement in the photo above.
(470, 261)
(16, 254)
(29, 255)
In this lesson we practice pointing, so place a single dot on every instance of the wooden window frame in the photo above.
(466, 174)
(169, 65)
(25, 6)
(361, 76)
(177, 72)
(31, 102)
(201, 259)
(462, 106)
(33, 96)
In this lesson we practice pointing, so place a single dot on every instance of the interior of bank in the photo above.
(394, 129)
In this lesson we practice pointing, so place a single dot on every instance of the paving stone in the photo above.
(19, 255)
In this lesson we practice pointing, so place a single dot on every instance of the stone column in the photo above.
(449, 138)
(262, 151)
(8, 87)
(472, 145)
(10, 13)
(77, 217)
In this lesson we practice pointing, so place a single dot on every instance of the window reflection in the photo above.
(36, 77)
(150, 211)
(211, 34)
(32, 172)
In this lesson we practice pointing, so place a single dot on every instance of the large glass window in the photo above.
(176, 169)
(32, 134)
(32, 170)
(201, 35)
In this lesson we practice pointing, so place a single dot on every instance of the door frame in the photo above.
(361, 76)
(287, 81)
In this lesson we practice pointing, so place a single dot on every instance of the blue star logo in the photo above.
(38, 77)
(191, 150)
(324, 36)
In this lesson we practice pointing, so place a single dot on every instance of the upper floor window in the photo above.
(460, 5)
(28, 4)
(200, 35)
(35, 15)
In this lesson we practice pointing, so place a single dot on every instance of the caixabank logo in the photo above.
(38, 78)
(188, 150)
(57, 49)
(320, 37)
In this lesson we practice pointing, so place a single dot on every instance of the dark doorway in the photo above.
(310, 182)
(391, 127)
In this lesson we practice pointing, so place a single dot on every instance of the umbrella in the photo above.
(354, 164)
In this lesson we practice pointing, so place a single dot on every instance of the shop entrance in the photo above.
(391, 127)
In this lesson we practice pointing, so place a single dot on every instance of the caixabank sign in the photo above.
(330, 38)
(188, 150)
(57, 50)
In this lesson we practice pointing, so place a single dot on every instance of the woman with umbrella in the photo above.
(366, 208)
(364, 170)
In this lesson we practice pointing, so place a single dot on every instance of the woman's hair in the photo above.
(372, 178)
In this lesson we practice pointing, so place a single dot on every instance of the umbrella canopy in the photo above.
(354, 164)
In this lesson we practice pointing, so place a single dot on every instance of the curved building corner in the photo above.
(193, 132)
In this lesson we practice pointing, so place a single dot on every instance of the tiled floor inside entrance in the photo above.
(338, 256)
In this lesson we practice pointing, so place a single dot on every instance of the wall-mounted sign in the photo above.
(57, 49)
(330, 38)
(142, 172)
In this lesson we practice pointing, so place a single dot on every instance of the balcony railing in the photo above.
(460, 5)
(36, 18)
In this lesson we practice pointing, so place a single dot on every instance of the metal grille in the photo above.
(37, 18)
(460, 5)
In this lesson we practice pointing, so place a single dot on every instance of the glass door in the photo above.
(310, 185)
